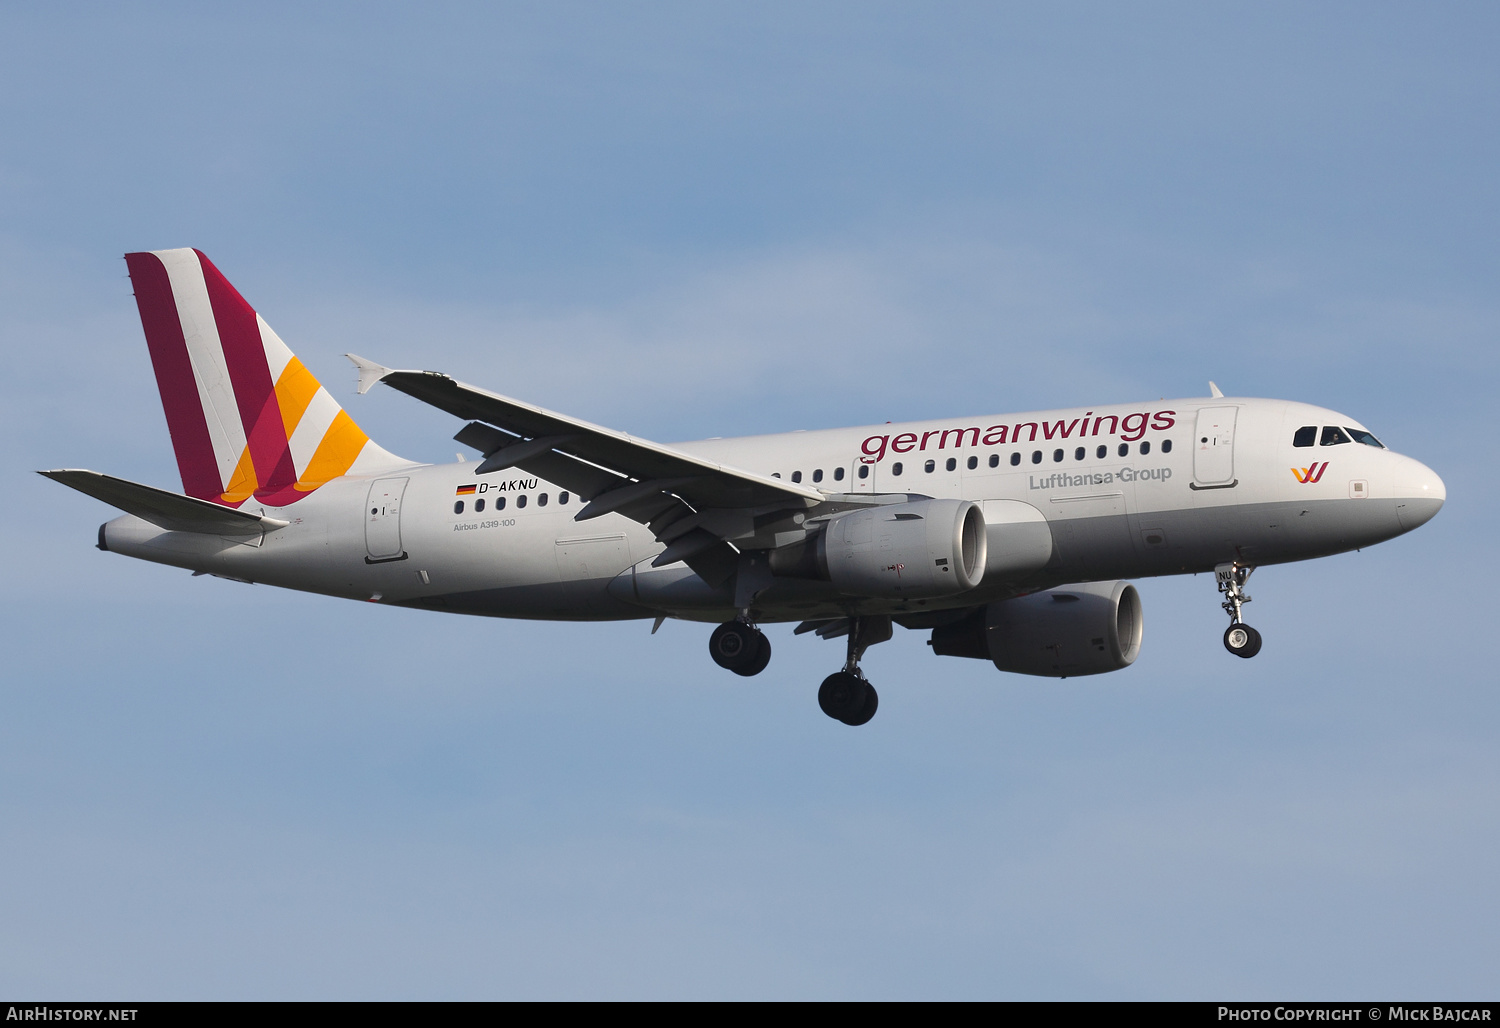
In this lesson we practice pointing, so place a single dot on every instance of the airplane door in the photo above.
(383, 520)
(1213, 447)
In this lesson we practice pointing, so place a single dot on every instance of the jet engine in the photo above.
(914, 549)
(1072, 630)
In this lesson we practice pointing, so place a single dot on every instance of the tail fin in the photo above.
(247, 419)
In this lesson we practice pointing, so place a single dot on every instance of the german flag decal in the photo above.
(466, 490)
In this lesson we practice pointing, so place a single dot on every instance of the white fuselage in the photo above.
(1069, 496)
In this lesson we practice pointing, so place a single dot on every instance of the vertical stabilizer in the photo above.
(247, 419)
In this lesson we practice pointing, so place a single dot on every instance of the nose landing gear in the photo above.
(740, 647)
(847, 695)
(1239, 639)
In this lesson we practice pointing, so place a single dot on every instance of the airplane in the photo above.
(1008, 538)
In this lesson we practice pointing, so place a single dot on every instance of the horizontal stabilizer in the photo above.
(172, 511)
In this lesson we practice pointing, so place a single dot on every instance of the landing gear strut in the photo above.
(740, 647)
(1239, 639)
(847, 695)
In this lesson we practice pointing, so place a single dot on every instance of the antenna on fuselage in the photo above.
(1213, 391)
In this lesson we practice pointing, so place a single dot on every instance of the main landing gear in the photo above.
(1239, 639)
(740, 647)
(847, 695)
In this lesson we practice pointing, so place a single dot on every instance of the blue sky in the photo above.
(709, 219)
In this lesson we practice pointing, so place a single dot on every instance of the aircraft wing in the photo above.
(688, 502)
(172, 511)
(532, 432)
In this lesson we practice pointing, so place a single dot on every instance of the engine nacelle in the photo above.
(1071, 630)
(916, 549)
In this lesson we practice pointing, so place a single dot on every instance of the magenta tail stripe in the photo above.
(174, 376)
(254, 392)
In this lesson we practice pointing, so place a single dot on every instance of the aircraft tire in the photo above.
(872, 704)
(843, 695)
(762, 658)
(735, 646)
(1242, 640)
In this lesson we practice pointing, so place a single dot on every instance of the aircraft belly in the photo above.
(1093, 547)
(1266, 533)
(576, 600)
(1316, 528)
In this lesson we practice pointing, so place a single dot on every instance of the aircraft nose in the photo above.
(1419, 495)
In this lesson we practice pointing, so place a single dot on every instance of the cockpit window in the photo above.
(1333, 436)
(1361, 436)
(1305, 436)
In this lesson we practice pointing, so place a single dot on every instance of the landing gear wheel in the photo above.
(844, 697)
(737, 647)
(872, 704)
(1242, 640)
(762, 658)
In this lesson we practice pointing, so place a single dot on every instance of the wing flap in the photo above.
(171, 511)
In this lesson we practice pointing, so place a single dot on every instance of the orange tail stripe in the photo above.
(294, 391)
(341, 444)
(242, 484)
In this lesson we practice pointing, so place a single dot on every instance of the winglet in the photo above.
(1213, 391)
(369, 372)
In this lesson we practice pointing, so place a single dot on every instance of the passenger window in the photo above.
(499, 503)
(1333, 436)
(1305, 436)
(478, 506)
(1015, 459)
(521, 500)
(1166, 446)
(864, 471)
(1145, 447)
(562, 499)
(838, 474)
(541, 499)
(952, 464)
(1101, 452)
(994, 460)
(796, 476)
(1124, 449)
(775, 474)
(1361, 436)
(1057, 456)
(930, 466)
(458, 507)
(1078, 453)
(818, 475)
(896, 468)
(1036, 456)
(973, 463)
